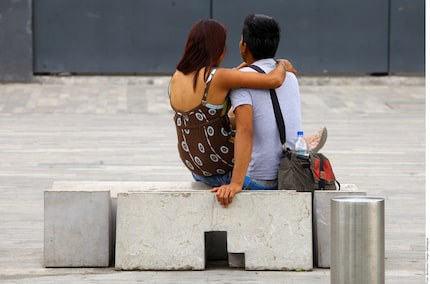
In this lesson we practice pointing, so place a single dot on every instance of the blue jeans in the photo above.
(248, 184)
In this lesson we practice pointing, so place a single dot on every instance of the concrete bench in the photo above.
(80, 221)
(162, 230)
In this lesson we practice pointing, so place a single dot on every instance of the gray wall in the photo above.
(407, 36)
(16, 55)
(148, 37)
(112, 36)
(319, 36)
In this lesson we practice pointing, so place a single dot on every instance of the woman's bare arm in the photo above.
(232, 78)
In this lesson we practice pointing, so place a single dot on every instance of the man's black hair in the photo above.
(261, 35)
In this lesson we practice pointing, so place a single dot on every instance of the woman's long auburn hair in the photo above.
(205, 44)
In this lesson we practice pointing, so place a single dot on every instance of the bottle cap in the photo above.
(300, 133)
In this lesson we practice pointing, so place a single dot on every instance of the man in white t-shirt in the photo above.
(258, 150)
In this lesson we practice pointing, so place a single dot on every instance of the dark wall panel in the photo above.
(113, 36)
(334, 36)
(407, 48)
(16, 59)
(147, 37)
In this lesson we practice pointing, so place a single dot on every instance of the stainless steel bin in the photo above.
(357, 242)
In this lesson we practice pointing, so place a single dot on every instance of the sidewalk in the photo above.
(121, 129)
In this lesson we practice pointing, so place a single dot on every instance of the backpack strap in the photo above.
(322, 182)
(277, 109)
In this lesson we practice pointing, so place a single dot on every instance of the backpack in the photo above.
(306, 174)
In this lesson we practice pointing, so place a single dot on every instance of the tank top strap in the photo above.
(208, 83)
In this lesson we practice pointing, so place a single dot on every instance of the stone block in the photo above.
(321, 221)
(164, 230)
(77, 228)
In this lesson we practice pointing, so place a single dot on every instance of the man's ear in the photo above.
(244, 47)
(246, 50)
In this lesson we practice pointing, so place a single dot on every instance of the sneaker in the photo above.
(317, 141)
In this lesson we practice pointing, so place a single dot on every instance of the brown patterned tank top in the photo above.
(205, 138)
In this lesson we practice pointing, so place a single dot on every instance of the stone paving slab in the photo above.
(121, 129)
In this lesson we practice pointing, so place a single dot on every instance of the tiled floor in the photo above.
(120, 128)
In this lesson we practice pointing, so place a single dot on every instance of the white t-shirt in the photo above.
(266, 149)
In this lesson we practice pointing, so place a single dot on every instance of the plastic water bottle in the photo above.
(301, 146)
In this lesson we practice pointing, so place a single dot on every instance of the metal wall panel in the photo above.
(324, 37)
(112, 36)
(147, 37)
(16, 58)
(407, 36)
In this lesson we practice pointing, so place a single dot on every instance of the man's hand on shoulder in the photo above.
(226, 193)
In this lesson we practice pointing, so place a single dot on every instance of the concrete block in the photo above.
(164, 230)
(321, 221)
(77, 228)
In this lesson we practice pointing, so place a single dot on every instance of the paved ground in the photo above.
(120, 129)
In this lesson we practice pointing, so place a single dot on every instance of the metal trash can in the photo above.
(357, 240)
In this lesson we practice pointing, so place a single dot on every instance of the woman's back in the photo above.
(205, 141)
(183, 95)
